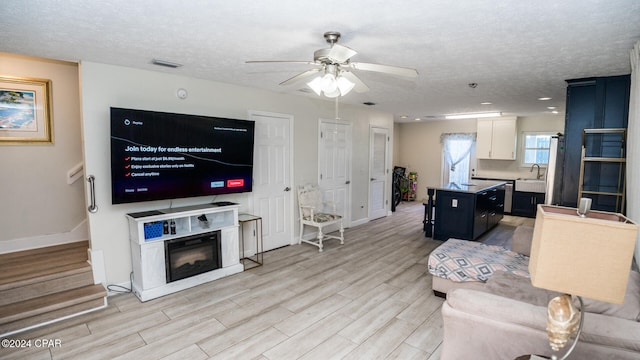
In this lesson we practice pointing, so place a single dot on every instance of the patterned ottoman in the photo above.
(463, 261)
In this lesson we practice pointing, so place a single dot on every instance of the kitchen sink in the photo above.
(531, 185)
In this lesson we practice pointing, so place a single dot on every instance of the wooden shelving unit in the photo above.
(603, 167)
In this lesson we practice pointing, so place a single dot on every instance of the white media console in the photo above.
(149, 243)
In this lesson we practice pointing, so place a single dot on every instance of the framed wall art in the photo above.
(25, 111)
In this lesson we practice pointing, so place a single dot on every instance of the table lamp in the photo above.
(581, 253)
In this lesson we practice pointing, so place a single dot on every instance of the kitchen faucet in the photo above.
(538, 176)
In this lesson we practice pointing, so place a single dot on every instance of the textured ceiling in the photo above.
(516, 51)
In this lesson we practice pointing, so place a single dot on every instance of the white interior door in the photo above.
(334, 159)
(378, 158)
(272, 193)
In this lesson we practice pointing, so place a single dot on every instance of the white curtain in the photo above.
(456, 151)
(633, 145)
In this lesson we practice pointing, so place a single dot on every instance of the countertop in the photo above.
(473, 187)
(507, 178)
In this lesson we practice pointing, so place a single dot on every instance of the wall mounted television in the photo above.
(159, 155)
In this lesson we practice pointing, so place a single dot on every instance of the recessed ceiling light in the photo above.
(544, 98)
(403, 116)
(551, 107)
(417, 119)
(486, 103)
(555, 112)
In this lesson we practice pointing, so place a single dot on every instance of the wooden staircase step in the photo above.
(74, 246)
(52, 316)
(48, 284)
(27, 313)
(38, 262)
(53, 283)
(41, 275)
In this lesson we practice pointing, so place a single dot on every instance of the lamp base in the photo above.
(578, 332)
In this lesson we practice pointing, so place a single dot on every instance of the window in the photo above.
(536, 148)
(458, 150)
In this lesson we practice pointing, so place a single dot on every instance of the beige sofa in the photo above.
(506, 318)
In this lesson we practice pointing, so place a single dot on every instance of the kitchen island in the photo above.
(465, 210)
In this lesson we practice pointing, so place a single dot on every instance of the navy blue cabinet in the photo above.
(455, 215)
(525, 203)
(466, 215)
(592, 103)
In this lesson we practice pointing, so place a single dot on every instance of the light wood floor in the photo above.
(370, 298)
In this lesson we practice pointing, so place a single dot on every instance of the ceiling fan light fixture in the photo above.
(316, 85)
(332, 94)
(330, 85)
(335, 63)
(344, 85)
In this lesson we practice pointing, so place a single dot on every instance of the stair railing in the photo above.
(93, 208)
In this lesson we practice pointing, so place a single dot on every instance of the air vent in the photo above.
(165, 63)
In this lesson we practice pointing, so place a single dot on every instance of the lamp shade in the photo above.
(585, 256)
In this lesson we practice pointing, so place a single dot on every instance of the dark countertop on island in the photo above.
(473, 187)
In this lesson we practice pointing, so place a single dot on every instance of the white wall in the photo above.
(104, 86)
(419, 148)
(35, 200)
(421, 151)
(396, 144)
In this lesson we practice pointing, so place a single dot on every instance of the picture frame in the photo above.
(25, 111)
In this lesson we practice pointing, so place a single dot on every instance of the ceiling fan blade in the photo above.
(340, 53)
(387, 69)
(280, 61)
(300, 76)
(359, 87)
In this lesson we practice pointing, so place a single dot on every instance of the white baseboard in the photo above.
(359, 222)
(79, 233)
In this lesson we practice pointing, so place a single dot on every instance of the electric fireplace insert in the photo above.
(192, 255)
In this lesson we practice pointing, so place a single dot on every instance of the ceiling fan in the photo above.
(332, 69)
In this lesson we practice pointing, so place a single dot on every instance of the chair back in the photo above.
(309, 199)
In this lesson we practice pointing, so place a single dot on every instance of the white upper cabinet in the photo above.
(496, 138)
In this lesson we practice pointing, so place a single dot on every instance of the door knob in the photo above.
(287, 189)
(348, 182)
(372, 179)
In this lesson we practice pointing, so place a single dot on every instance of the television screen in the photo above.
(157, 155)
